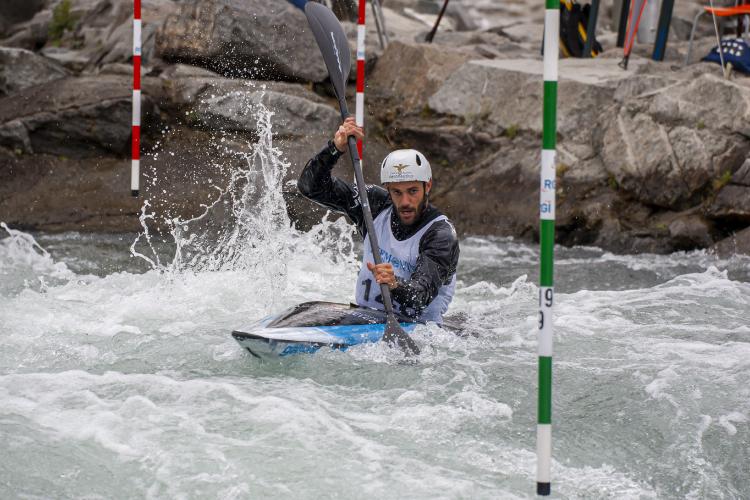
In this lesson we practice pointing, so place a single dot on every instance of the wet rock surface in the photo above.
(653, 159)
(256, 39)
(20, 68)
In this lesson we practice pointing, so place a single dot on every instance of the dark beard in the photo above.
(418, 213)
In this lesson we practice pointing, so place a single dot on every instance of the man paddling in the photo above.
(418, 244)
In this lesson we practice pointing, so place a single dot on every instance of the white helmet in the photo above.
(405, 165)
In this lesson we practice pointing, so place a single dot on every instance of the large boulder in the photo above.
(76, 117)
(211, 101)
(255, 38)
(231, 105)
(407, 74)
(20, 68)
(498, 94)
(667, 166)
(104, 32)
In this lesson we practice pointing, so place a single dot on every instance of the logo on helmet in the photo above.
(400, 167)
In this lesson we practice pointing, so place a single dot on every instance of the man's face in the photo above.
(409, 198)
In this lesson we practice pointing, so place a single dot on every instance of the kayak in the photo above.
(308, 327)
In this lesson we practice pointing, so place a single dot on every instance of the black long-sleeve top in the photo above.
(438, 247)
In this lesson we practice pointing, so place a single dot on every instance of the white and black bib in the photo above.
(402, 255)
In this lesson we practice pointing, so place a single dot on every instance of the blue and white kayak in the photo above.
(307, 327)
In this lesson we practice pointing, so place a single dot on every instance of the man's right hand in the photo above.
(349, 127)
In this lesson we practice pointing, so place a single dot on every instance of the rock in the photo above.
(214, 102)
(462, 20)
(54, 193)
(484, 43)
(499, 94)
(32, 34)
(407, 74)
(20, 68)
(742, 176)
(106, 30)
(73, 60)
(737, 243)
(17, 11)
(294, 116)
(77, 117)
(669, 168)
(732, 205)
(704, 102)
(504, 183)
(255, 38)
(691, 231)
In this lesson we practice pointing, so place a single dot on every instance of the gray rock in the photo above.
(293, 116)
(732, 203)
(105, 31)
(256, 38)
(690, 231)
(708, 101)
(73, 60)
(17, 11)
(503, 191)
(76, 117)
(500, 95)
(14, 135)
(742, 175)
(663, 166)
(407, 74)
(20, 68)
(212, 101)
(31, 34)
(57, 193)
(737, 243)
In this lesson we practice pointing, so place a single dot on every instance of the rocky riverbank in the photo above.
(653, 159)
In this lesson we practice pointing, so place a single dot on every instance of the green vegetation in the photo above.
(62, 21)
(722, 181)
(512, 131)
(426, 112)
(561, 169)
(700, 125)
(612, 182)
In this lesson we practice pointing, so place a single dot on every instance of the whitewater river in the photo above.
(119, 377)
(120, 383)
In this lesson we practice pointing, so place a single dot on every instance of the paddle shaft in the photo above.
(365, 202)
(331, 39)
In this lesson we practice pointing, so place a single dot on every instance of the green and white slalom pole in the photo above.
(546, 246)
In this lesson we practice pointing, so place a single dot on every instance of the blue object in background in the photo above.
(300, 4)
(735, 51)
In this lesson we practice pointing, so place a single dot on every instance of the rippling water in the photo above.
(119, 379)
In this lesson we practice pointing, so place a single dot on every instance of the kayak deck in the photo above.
(307, 327)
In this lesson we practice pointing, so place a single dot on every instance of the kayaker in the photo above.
(418, 244)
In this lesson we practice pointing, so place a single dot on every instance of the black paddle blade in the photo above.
(332, 42)
(395, 335)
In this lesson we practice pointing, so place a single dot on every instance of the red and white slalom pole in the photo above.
(360, 109)
(136, 132)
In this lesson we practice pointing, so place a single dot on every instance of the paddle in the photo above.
(335, 49)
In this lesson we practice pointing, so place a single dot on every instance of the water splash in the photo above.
(246, 228)
(24, 263)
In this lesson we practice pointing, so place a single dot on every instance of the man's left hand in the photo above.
(383, 274)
